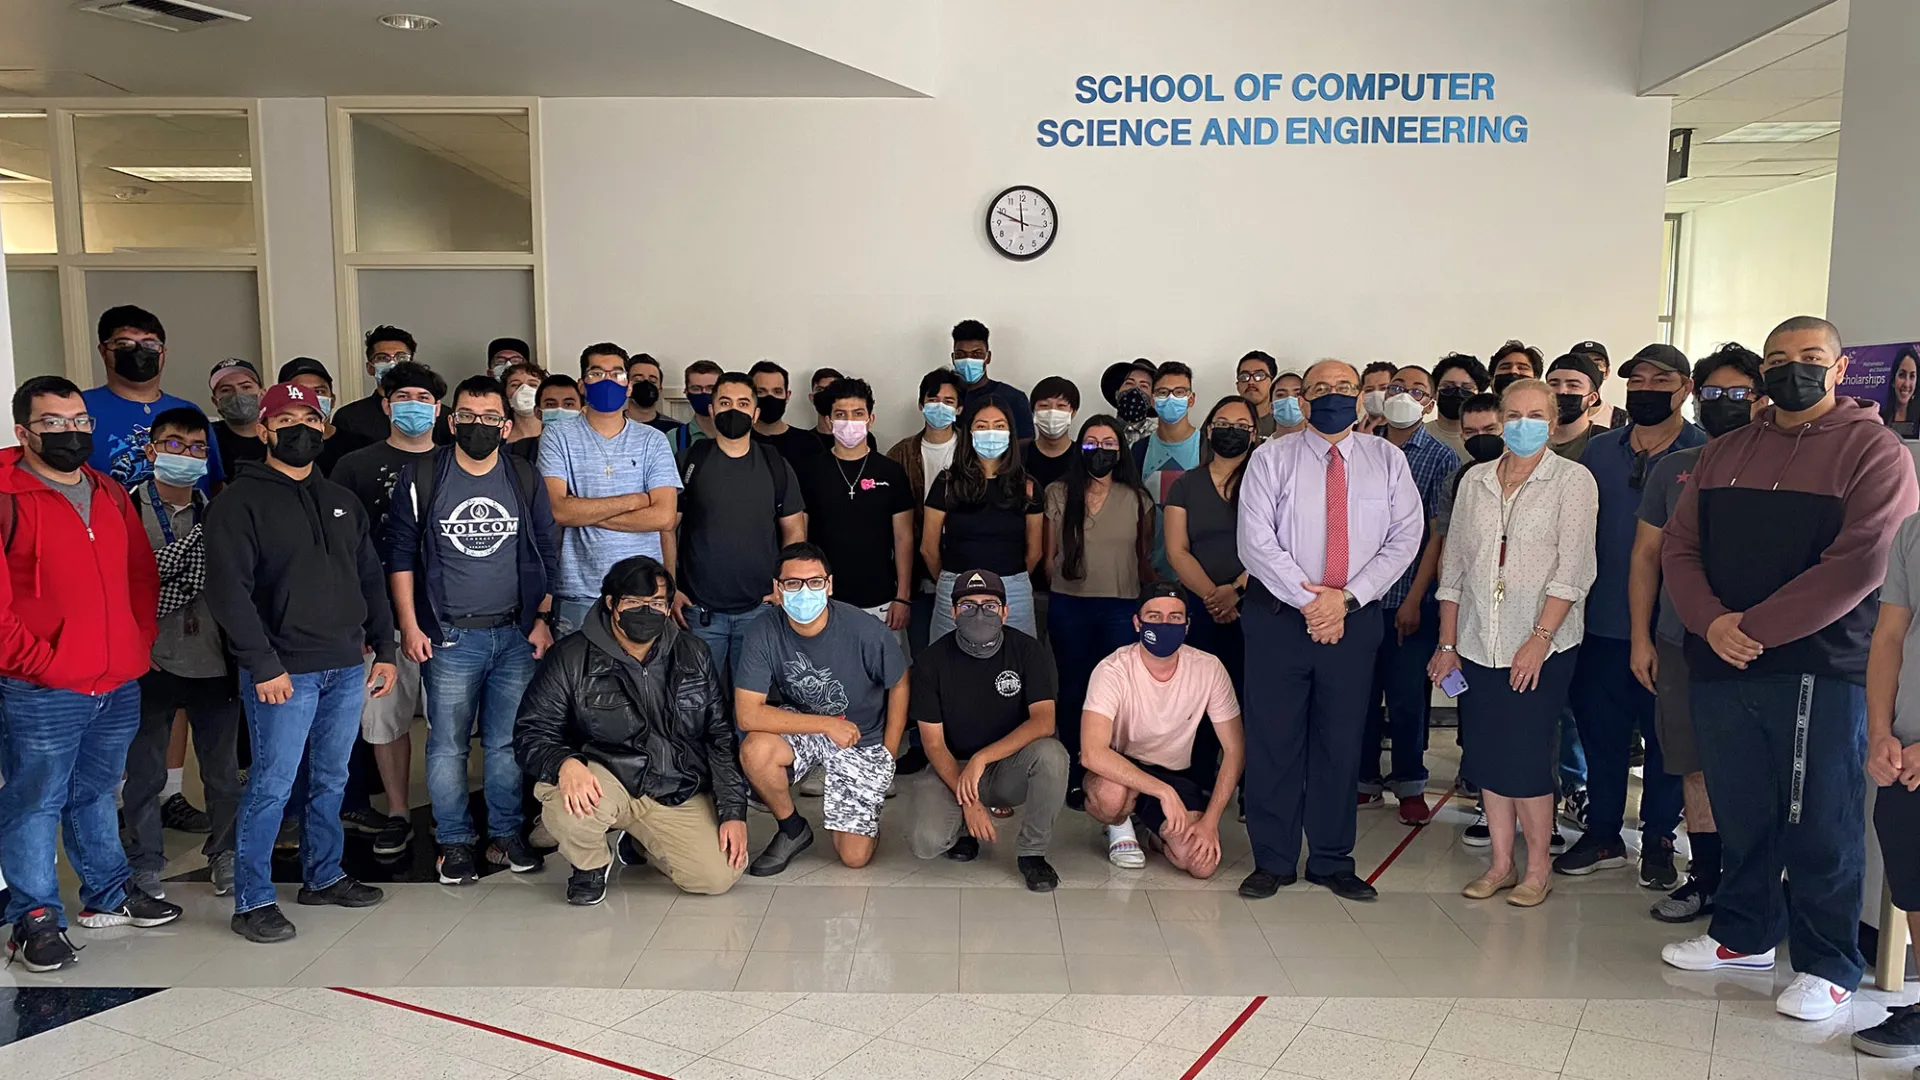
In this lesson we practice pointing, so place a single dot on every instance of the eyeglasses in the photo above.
(655, 604)
(390, 357)
(1731, 393)
(1100, 444)
(1252, 377)
(468, 416)
(177, 446)
(134, 343)
(1173, 392)
(601, 374)
(1159, 618)
(1320, 390)
(53, 425)
(1231, 425)
(1418, 393)
(790, 584)
(972, 607)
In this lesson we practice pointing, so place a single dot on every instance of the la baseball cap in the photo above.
(1664, 357)
(228, 368)
(979, 583)
(286, 397)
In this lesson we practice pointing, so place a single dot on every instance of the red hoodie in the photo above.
(79, 602)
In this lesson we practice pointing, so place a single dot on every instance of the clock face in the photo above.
(1021, 222)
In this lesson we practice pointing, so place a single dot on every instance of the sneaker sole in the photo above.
(1477, 841)
(1814, 1017)
(99, 920)
(770, 871)
(1677, 920)
(1882, 1050)
(526, 868)
(457, 881)
(1593, 868)
(223, 890)
(307, 899)
(15, 954)
(588, 903)
(389, 849)
(261, 939)
(1722, 965)
(1668, 885)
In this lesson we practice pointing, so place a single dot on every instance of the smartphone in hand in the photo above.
(1454, 684)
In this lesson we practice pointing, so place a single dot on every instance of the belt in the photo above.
(486, 622)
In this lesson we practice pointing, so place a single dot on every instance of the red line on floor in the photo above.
(1232, 1030)
(1408, 839)
(632, 1070)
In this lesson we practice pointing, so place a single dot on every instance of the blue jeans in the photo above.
(1573, 756)
(475, 674)
(1400, 681)
(1085, 631)
(320, 720)
(1609, 704)
(61, 753)
(1019, 605)
(725, 635)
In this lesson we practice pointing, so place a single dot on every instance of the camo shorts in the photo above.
(857, 779)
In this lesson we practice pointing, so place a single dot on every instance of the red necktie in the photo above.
(1335, 576)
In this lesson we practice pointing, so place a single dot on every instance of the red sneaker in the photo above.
(1365, 800)
(1414, 810)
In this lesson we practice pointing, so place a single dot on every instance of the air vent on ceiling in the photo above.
(178, 16)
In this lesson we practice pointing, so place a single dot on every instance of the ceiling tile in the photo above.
(1769, 168)
(1705, 110)
(1830, 55)
(1825, 109)
(1831, 19)
(1774, 84)
(1760, 52)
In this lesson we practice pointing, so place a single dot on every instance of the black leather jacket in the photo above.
(663, 728)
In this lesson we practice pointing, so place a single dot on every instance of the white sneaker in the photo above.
(1123, 847)
(1705, 954)
(1810, 997)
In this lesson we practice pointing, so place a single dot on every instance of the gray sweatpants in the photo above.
(1036, 778)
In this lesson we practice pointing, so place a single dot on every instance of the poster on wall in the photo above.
(1888, 374)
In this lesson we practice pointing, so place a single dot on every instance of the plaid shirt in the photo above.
(1431, 462)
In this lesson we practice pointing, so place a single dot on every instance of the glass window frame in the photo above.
(1671, 228)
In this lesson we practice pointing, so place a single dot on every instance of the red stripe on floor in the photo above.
(1411, 833)
(1232, 1030)
(631, 1070)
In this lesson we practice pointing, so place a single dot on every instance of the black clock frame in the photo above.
(1043, 248)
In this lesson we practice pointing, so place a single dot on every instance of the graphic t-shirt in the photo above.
(370, 473)
(730, 525)
(593, 467)
(978, 701)
(1163, 464)
(1156, 721)
(844, 670)
(476, 530)
(850, 509)
(120, 436)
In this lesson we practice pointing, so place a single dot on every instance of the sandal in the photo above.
(1124, 850)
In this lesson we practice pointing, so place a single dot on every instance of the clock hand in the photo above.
(1011, 218)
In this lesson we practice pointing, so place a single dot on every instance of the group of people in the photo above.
(653, 626)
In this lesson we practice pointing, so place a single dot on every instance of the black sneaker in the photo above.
(1656, 866)
(965, 849)
(626, 850)
(515, 854)
(138, 909)
(455, 865)
(1684, 904)
(1588, 854)
(1345, 886)
(264, 925)
(1077, 799)
(1260, 884)
(781, 850)
(1895, 1037)
(182, 816)
(1037, 873)
(343, 893)
(1478, 834)
(38, 942)
(365, 821)
(394, 837)
(1557, 843)
(586, 888)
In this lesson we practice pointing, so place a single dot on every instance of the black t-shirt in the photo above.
(979, 701)
(1044, 470)
(366, 419)
(795, 444)
(370, 473)
(985, 536)
(851, 507)
(338, 445)
(730, 532)
(237, 448)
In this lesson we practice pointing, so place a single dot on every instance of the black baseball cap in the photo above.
(1581, 363)
(1159, 590)
(1592, 348)
(1664, 357)
(221, 369)
(1117, 373)
(979, 583)
(304, 365)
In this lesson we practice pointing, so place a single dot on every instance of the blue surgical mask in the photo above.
(179, 470)
(554, 416)
(970, 370)
(1162, 639)
(803, 605)
(325, 405)
(380, 369)
(1171, 409)
(990, 444)
(1525, 436)
(940, 415)
(413, 418)
(1286, 412)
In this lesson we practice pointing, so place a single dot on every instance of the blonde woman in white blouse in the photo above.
(1513, 585)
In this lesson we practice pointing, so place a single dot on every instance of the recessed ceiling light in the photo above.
(409, 22)
(181, 174)
(1779, 132)
(8, 176)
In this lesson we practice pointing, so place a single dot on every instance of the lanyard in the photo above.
(163, 514)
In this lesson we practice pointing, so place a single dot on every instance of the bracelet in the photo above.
(903, 600)
(1543, 634)
(1447, 649)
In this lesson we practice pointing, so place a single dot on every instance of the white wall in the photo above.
(850, 232)
(1876, 231)
(1748, 264)
(1680, 35)
(299, 230)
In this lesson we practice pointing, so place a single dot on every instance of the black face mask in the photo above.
(822, 404)
(1722, 415)
(1452, 399)
(65, 451)
(645, 394)
(297, 446)
(1796, 387)
(1133, 404)
(1571, 406)
(1101, 462)
(136, 363)
(642, 624)
(771, 408)
(732, 423)
(1483, 448)
(1649, 407)
(476, 440)
(1229, 442)
(1501, 382)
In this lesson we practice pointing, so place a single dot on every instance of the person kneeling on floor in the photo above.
(1145, 704)
(984, 698)
(625, 726)
(844, 684)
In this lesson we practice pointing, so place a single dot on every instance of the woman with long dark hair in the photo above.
(1203, 510)
(1099, 547)
(1899, 410)
(982, 514)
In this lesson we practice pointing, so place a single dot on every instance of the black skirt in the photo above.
(1511, 740)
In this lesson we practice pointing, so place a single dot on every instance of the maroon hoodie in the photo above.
(1791, 527)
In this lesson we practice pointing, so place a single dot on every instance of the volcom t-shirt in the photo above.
(844, 670)
(978, 701)
(476, 530)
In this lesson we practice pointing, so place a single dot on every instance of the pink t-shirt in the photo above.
(1156, 721)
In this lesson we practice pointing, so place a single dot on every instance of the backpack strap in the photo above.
(778, 466)
(524, 477)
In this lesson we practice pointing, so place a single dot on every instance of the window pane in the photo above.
(165, 182)
(209, 315)
(453, 313)
(26, 188)
(33, 307)
(442, 182)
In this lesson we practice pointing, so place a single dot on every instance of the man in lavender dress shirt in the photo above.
(1317, 568)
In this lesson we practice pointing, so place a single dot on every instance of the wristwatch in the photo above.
(1353, 602)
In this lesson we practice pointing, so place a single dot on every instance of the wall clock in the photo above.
(1022, 222)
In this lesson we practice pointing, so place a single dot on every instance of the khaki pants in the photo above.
(684, 839)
